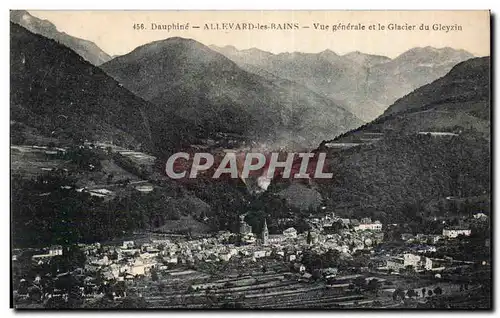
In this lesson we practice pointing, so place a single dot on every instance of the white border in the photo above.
(203, 5)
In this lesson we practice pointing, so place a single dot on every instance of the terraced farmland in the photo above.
(252, 288)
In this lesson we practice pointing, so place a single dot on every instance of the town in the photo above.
(337, 263)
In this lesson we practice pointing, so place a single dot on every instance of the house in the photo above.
(345, 221)
(276, 238)
(307, 275)
(171, 260)
(104, 261)
(453, 232)
(290, 233)
(427, 238)
(407, 237)
(480, 216)
(259, 254)
(417, 262)
(245, 228)
(225, 257)
(248, 238)
(137, 268)
(299, 267)
(144, 188)
(128, 244)
(132, 251)
(425, 249)
(125, 268)
(129, 276)
(107, 275)
(163, 242)
(371, 226)
(56, 250)
(148, 255)
(329, 272)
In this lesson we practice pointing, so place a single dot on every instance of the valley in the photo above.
(402, 219)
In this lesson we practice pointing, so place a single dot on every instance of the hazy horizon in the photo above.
(113, 31)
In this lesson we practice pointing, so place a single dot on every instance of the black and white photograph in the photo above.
(250, 160)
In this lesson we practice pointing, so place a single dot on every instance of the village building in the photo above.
(290, 233)
(128, 244)
(265, 234)
(366, 224)
(55, 250)
(453, 232)
(417, 262)
(480, 216)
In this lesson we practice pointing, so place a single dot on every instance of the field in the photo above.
(270, 284)
(30, 161)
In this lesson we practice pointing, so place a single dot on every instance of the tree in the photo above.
(55, 303)
(438, 290)
(154, 275)
(374, 285)
(411, 293)
(410, 269)
(161, 287)
(120, 289)
(109, 178)
(133, 303)
(360, 282)
(398, 294)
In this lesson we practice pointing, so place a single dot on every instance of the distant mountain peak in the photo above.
(86, 49)
(328, 51)
(431, 52)
(217, 96)
(366, 59)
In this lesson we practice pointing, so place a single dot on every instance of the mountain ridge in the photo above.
(245, 103)
(366, 84)
(87, 49)
(430, 145)
(59, 94)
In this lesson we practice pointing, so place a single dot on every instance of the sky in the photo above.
(113, 31)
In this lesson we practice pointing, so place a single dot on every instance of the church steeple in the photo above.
(265, 233)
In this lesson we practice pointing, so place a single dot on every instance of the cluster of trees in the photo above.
(399, 293)
(142, 170)
(332, 258)
(44, 213)
(395, 178)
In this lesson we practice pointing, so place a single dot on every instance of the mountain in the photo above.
(366, 84)
(466, 82)
(419, 66)
(56, 93)
(367, 60)
(430, 145)
(88, 50)
(250, 56)
(217, 97)
(459, 100)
